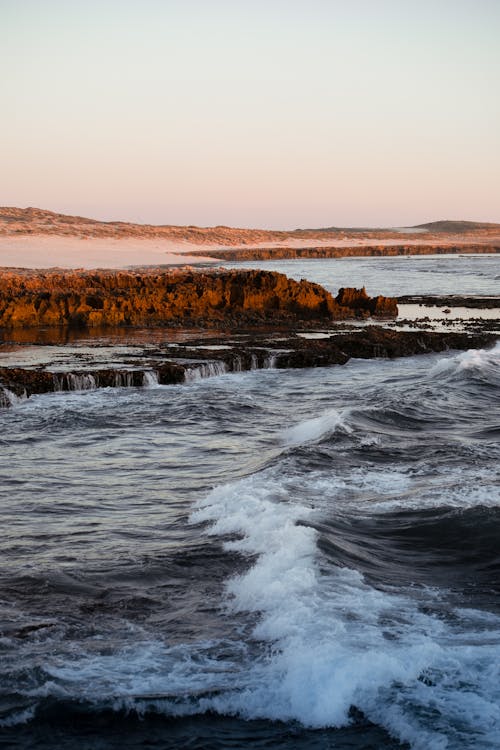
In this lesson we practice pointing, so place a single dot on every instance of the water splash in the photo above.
(74, 381)
(205, 370)
(150, 379)
(9, 398)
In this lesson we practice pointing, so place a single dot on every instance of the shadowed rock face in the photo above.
(182, 297)
(357, 299)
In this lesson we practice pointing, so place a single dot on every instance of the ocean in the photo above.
(282, 559)
(395, 276)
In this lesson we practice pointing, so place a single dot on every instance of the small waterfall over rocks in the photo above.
(9, 398)
(74, 381)
(150, 379)
(124, 379)
(264, 360)
(270, 362)
(85, 381)
(205, 370)
(237, 364)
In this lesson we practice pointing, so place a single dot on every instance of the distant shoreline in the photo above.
(375, 251)
(70, 253)
(35, 238)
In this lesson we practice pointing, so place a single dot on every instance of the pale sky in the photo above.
(270, 113)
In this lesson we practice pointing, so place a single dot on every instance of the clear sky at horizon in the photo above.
(280, 114)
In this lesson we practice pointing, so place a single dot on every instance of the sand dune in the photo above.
(35, 238)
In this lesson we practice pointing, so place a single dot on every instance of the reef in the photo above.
(181, 297)
(206, 356)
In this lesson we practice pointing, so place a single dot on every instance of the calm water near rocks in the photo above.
(272, 559)
(395, 276)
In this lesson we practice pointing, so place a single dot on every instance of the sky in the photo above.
(252, 113)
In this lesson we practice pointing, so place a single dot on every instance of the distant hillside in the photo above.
(39, 221)
(36, 221)
(15, 221)
(456, 227)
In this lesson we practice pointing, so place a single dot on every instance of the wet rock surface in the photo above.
(246, 319)
(208, 356)
(466, 313)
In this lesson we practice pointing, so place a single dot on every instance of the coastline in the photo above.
(53, 251)
(36, 238)
(208, 356)
(182, 324)
(365, 250)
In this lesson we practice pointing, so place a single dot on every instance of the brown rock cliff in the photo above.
(125, 298)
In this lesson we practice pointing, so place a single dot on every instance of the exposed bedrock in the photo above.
(185, 363)
(170, 298)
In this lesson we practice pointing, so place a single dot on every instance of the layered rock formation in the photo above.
(186, 362)
(182, 297)
(358, 251)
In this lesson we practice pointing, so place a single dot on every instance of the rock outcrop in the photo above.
(174, 298)
(357, 299)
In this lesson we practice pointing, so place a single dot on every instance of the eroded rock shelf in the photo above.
(175, 298)
(206, 357)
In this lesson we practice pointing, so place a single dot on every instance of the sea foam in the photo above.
(335, 642)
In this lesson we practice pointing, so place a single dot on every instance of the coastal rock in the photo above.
(174, 297)
(438, 247)
(357, 299)
(187, 362)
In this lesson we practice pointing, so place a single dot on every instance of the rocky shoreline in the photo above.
(264, 320)
(360, 251)
(451, 300)
(208, 356)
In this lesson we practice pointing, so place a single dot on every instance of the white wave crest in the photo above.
(329, 641)
(471, 360)
(312, 430)
(336, 642)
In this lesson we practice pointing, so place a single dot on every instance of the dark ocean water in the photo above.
(274, 559)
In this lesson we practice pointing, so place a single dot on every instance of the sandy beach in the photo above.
(50, 251)
(53, 251)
